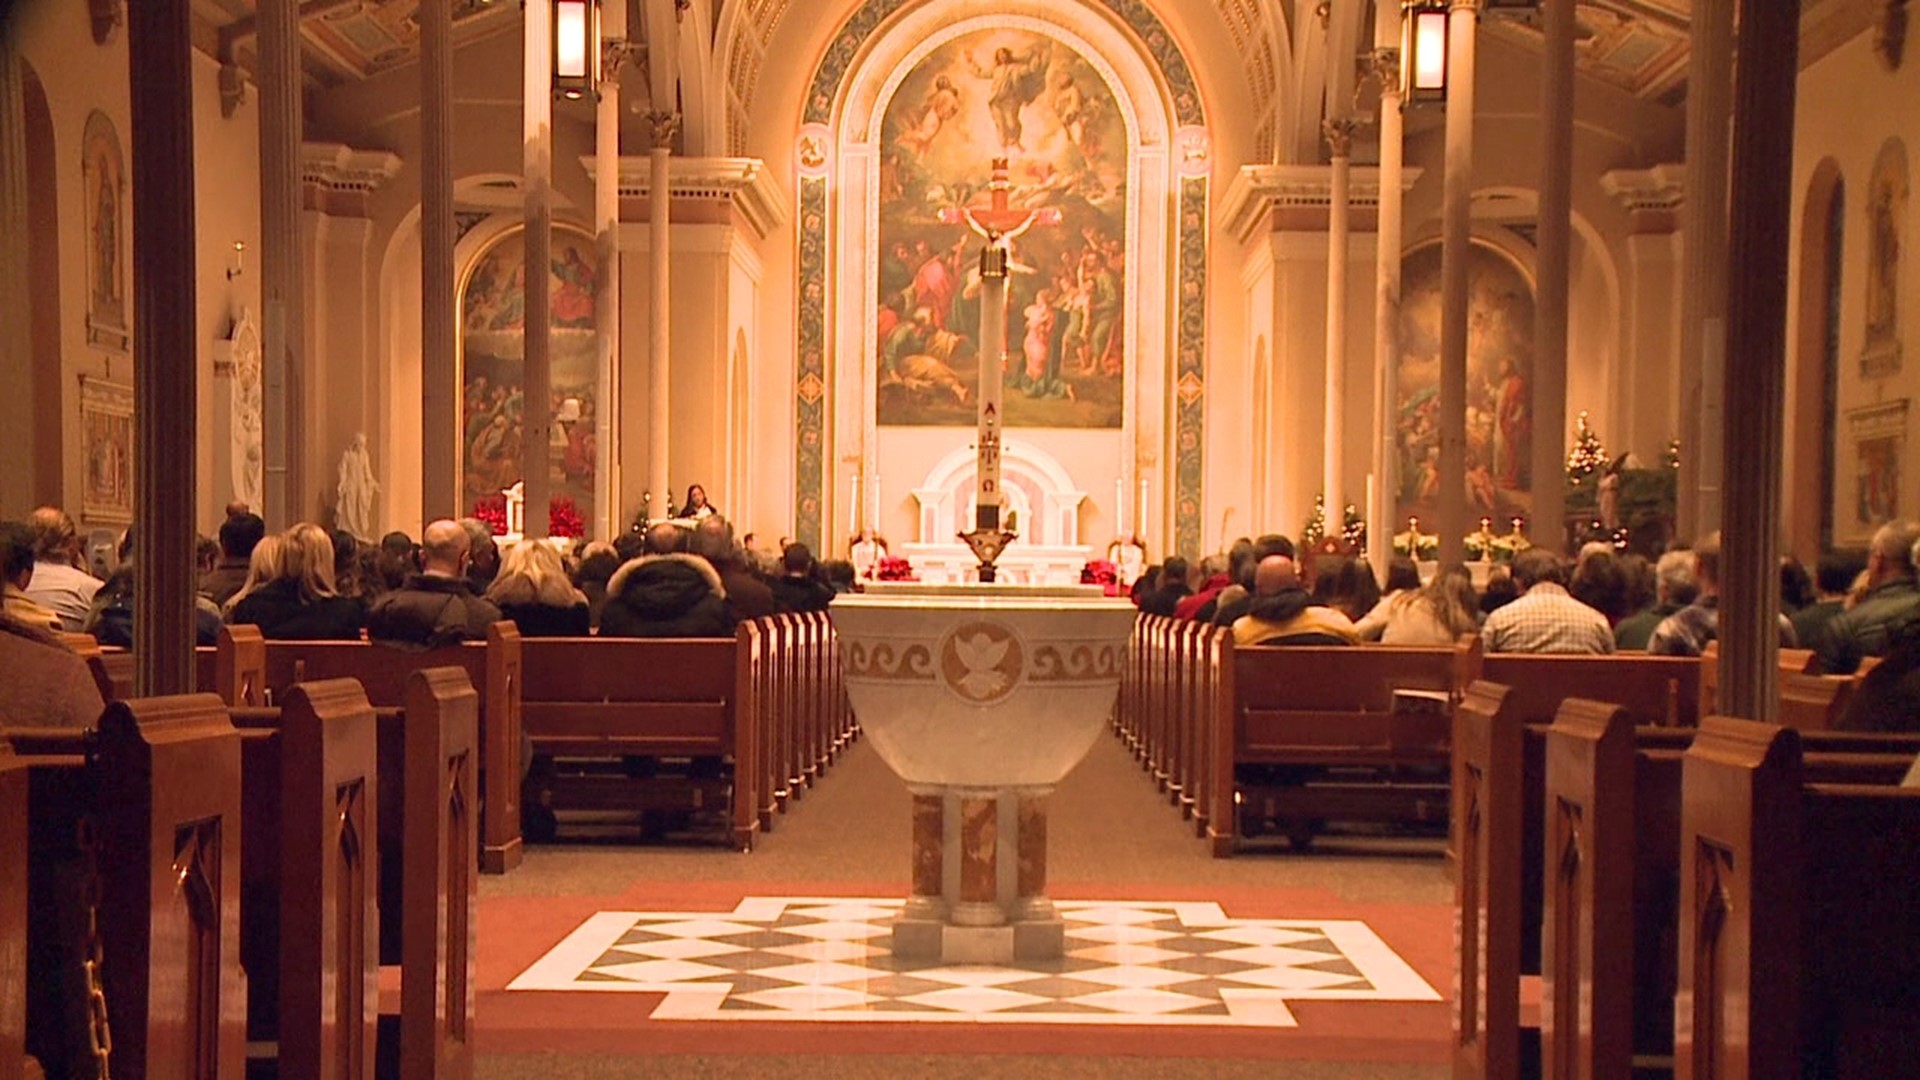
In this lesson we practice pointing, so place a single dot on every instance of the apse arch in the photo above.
(839, 160)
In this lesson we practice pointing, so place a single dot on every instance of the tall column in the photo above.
(537, 412)
(1554, 266)
(16, 274)
(165, 344)
(1762, 202)
(1386, 297)
(1703, 297)
(1455, 239)
(659, 297)
(440, 486)
(606, 299)
(280, 279)
(1339, 133)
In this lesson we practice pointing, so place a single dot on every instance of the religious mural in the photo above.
(1499, 388)
(1879, 436)
(493, 353)
(1036, 101)
(104, 177)
(1886, 222)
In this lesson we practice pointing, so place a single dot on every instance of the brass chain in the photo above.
(99, 1031)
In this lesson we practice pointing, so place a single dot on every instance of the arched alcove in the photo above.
(848, 160)
(47, 416)
(1816, 361)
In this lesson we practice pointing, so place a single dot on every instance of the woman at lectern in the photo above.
(696, 506)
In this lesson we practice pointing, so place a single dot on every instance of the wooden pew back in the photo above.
(609, 696)
(1486, 839)
(1334, 705)
(1661, 691)
(441, 828)
(14, 853)
(1792, 662)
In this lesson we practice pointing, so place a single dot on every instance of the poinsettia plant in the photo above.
(1102, 573)
(895, 568)
(563, 517)
(493, 511)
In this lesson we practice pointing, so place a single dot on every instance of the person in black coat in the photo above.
(661, 596)
(436, 606)
(800, 588)
(534, 592)
(302, 603)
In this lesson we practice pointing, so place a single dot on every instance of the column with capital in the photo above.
(606, 297)
(536, 414)
(659, 297)
(1456, 239)
(441, 485)
(1385, 63)
(1339, 135)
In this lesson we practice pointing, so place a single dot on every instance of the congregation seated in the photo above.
(666, 593)
(110, 620)
(1888, 697)
(47, 684)
(1833, 576)
(1687, 631)
(16, 543)
(1544, 618)
(1436, 614)
(1347, 585)
(58, 582)
(1403, 579)
(696, 507)
(1214, 577)
(747, 596)
(483, 554)
(1600, 581)
(1232, 602)
(301, 601)
(598, 561)
(239, 535)
(1892, 595)
(798, 588)
(1165, 598)
(1674, 588)
(1499, 591)
(533, 591)
(839, 574)
(437, 606)
(398, 557)
(1284, 613)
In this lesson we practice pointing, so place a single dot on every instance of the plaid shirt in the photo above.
(1547, 620)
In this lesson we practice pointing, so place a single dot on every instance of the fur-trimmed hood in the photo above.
(654, 570)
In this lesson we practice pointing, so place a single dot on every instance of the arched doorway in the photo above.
(1816, 362)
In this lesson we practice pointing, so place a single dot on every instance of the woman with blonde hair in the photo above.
(302, 601)
(263, 566)
(534, 591)
(1435, 615)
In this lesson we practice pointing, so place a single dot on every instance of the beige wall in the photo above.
(1832, 124)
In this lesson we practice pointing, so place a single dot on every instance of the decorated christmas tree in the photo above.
(1670, 457)
(1588, 457)
(1353, 528)
(1315, 529)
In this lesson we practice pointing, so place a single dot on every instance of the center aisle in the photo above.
(1113, 838)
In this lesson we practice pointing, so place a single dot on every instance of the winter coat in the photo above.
(283, 614)
(662, 596)
(429, 611)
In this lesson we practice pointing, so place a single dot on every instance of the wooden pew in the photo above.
(309, 865)
(146, 811)
(587, 698)
(1507, 762)
(1799, 949)
(1791, 662)
(439, 829)
(13, 913)
(1305, 708)
(1658, 691)
(1613, 807)
(493, 667)
(1487, 837)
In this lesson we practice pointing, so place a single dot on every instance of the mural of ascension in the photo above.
(1036, 101)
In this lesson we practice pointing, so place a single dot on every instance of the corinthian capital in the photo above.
(665, 125)
(1339, 135)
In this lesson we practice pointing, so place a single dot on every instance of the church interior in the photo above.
(1351, 297)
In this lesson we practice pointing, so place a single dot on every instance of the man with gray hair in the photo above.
(747, 596)
(1892, 597)
(1676, 587)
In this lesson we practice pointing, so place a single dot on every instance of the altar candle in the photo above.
(853, 506)
(877, 504)
(1141, 531)
(1120, 505)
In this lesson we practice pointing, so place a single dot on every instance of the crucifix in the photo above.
(999, 224)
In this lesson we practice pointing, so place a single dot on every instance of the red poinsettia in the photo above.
(493, 511)
(563, 517)
(1102, 573)
(895, 568)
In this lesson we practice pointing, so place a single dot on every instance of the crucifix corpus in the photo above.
(999, 223)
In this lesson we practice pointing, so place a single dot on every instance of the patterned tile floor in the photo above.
(1127, 962)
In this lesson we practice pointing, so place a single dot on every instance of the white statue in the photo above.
(354, 512)
(247, 454)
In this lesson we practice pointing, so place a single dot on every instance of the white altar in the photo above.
(1046, 507)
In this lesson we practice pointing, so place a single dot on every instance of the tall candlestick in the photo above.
(993, 347)
(878, 506)
(1120, 506)
(853, 506)
(1141, 530)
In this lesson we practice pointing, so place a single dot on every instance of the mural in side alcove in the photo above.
(1038, 102)
(1499, 387)
(493, 355)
